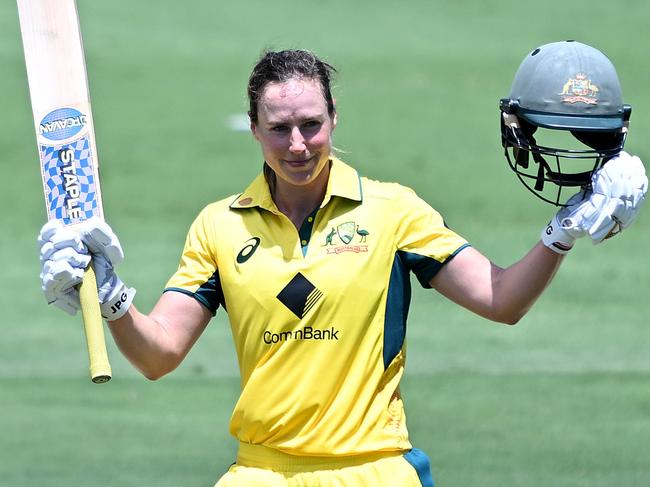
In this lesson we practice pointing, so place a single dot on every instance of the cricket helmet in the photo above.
(563, 87)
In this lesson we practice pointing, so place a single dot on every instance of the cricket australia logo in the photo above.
(580, 90)
(346, 237)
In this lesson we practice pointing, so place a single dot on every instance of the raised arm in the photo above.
(158, 342)
(503, 295)
(155, 343)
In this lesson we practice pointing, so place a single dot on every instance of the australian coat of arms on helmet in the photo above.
(580, 90)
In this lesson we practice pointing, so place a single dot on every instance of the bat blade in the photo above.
(58, 88)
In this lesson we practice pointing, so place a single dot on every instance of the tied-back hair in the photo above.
(280, 66)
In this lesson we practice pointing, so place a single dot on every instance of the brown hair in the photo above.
(279, 66)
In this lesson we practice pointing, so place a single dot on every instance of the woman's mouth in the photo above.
(298, 162)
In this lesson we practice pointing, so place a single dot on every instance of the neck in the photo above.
(296, 202)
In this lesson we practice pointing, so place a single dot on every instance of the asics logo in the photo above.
(248, 250)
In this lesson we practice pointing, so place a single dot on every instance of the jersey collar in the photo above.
(343, 181)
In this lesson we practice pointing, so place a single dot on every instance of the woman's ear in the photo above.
(253, 126)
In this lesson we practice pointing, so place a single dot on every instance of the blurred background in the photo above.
(561, 399)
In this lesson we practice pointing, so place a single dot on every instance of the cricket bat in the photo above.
(58, 88)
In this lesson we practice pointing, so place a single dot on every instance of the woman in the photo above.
(312, 264)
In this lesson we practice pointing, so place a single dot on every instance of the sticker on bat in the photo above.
(62, 123)
(69, 181)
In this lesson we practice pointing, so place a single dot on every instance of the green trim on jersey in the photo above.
(305, 231)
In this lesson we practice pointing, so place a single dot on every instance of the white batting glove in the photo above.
(63, 260)
(571, 222)
(619, 189)
(621, 184)
(65, 253)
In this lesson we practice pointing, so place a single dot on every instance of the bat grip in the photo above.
(100, 368)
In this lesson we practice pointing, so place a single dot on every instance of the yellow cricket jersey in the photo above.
(318, 315)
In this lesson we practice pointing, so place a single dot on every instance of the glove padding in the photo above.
(617, 195)
(63, 260)
(621, 184)
(65, 254)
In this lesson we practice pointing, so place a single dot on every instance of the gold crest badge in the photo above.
(580, 90)
(347, 233)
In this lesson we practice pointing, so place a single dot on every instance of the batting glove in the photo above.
(618, 193)
(63, 260)
(571, 222)
(65, 254)
(621, 184)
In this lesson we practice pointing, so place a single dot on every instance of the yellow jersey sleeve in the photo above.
(197, 274)
(424, 242)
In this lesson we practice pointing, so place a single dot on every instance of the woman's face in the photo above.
(294, 130)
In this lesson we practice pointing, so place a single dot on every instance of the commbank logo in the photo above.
(299, 295)
(304, 334)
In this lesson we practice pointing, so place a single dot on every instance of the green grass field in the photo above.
(561, 399)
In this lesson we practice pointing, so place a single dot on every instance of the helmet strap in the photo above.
(542, 165)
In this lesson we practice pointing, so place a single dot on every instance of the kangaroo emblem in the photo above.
(330, 236)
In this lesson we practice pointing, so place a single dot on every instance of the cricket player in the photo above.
(312, 262)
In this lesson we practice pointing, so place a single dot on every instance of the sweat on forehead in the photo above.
(293, 87)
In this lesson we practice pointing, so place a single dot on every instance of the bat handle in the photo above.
(100, 368)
